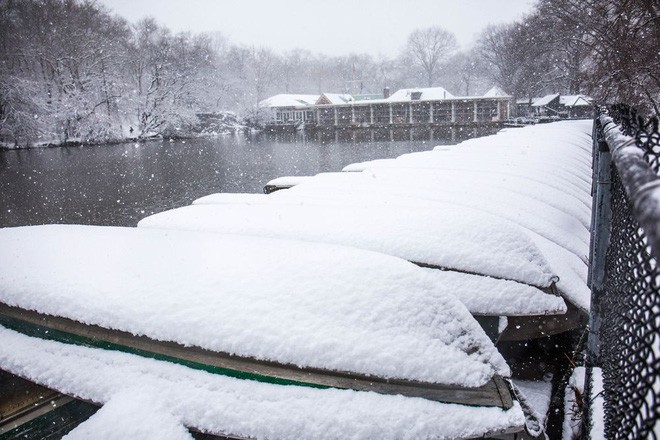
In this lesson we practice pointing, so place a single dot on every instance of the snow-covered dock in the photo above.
(357, 290)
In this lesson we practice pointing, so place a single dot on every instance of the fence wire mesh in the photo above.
(630, 304)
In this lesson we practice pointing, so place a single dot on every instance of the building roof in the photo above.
(496, 92)
(289, 100)
(368, 97)
(547, 99)
(526, 100)
(333, 98)
(575, 100)
(402, 95)
(426, 94)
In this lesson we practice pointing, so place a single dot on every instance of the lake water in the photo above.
(122, 183)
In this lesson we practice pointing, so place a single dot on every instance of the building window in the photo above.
(486, 111)
(400, 113)
(381, 114)
(326, 116)
(442, 112)
(464, 112)
(420, 113)
(362, 114)
(343, 115)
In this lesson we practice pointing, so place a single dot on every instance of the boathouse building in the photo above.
(419, 106)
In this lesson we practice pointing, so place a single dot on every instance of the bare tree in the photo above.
(466, 73)
(428, 49)
(611, 48)
(521, 58)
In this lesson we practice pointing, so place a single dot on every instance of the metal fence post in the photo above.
(601, 223)
(600, 238)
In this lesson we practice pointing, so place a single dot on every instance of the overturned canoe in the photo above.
(272, 310)
(455, 238)
(141, 395)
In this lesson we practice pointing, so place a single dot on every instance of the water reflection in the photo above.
(120, 184)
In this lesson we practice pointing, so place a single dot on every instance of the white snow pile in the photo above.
(231, 198)
(176, 395)
(538, 395)
(307, 304)
(488, 296)
(285, 181)
(130, 415)
(532, 184)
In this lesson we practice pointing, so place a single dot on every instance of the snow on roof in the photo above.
(496, 92)
(425, 94)
(289, 100)
(575, 100)
(547, 99)
(456, 238)
(526, 100)
(278, 300)
(135, 391)
(334, 98)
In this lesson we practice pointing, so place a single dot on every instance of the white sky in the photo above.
(332, 27)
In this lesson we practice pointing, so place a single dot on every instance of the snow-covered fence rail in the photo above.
(624, 338)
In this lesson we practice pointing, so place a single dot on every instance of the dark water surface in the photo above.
(120, 184)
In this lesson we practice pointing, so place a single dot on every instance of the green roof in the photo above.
(368, 97)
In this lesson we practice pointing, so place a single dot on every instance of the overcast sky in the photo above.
(332, 27)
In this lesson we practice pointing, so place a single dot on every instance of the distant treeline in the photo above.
(72, 71)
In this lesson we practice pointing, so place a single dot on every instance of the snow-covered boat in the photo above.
(486, 263)
(284, 182)
(258, 313)
(506, 206)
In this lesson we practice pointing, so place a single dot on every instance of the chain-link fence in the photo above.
(624, 335)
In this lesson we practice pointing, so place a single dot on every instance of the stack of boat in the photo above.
(363, 303)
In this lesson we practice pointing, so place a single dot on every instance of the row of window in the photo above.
(295, 115)
(404, 113)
